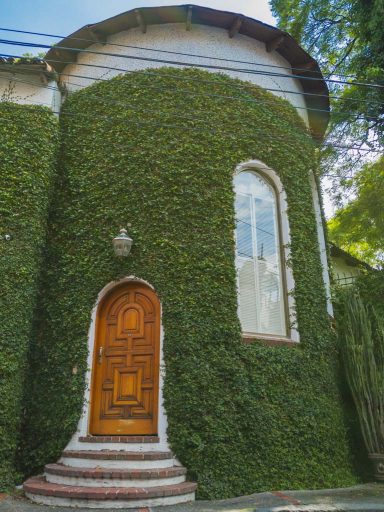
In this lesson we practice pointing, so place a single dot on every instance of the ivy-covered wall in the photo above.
(28, 140)
(159, 153)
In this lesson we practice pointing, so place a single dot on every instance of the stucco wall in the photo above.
(29, 89)
(202, 40)
(341, 270)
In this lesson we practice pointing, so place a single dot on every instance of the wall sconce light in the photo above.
(122, 243)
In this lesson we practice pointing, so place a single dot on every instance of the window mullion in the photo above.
(256, 265)
(279, 266)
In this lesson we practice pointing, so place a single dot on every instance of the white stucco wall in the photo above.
(202, 40)
(29, 89)
(342, 271)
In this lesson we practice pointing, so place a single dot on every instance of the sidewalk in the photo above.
(367, 497)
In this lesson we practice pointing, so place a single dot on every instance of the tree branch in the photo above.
(329, 20)
(350, 46)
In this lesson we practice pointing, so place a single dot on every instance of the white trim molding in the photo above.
(285, 240)
(83, 425)
(321, 239)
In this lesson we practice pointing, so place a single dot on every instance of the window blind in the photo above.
(258, 257)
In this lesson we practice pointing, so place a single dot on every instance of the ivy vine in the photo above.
(160, 153)
(28, 142)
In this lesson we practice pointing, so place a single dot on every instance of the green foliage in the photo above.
(325, 28)
(361, 335)
(347, 39)
(358, 227)
(242, 418)
(27, 151)
(370, 287)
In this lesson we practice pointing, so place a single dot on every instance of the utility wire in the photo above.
(188, 64)
(260, 229)
(231, 135)
(369, 150)
(236, 98)
(184, 117)
(191, 79)
(199, 56)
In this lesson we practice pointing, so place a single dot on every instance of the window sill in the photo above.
(273, 341)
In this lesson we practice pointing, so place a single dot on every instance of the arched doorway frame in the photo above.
(83, 425)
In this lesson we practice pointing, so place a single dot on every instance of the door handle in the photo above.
(100, 358)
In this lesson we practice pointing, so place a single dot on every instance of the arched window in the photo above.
(262, 304)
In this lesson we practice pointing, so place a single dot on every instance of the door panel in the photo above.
(125, 378)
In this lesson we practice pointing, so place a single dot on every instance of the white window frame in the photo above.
(284, 238)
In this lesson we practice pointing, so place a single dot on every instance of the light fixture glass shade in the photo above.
(122, 243)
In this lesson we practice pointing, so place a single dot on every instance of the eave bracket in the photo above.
(140, 21)
(274, 44)
(234, 29)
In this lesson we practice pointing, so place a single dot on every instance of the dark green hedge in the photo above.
(242, 418)
(28, 139)
(370, 286)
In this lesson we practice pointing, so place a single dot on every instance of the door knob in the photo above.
(100, 355)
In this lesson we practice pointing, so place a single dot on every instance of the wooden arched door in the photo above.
(125, 378)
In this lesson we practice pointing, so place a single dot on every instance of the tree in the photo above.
(358, 227)
(347, 39)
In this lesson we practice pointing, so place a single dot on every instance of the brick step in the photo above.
(117, 459)
(41, 491)
(101, 477)
(119, 439)
(116, 455)
(129, 474)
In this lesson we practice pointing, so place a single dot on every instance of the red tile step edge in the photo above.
(119, 439)
(38, 485)
(116, 455)
(121, 474)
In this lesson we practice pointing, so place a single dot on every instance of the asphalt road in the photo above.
(364, 498)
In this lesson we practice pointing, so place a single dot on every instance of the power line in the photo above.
(175, 115)
(150, 123)
(260, 133)
(235, 98)
(260, 229)
(172, 52)
(190, 79)
(337, 176)
(188, 64)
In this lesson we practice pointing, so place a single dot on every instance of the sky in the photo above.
(62, 17)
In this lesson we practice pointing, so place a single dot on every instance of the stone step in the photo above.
(120, 439)
(87, 477)
(117, 459)
(41, 491)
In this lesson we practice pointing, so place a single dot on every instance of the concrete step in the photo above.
(87, 477)
(41, 491)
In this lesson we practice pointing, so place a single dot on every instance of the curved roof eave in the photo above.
(274, 39)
